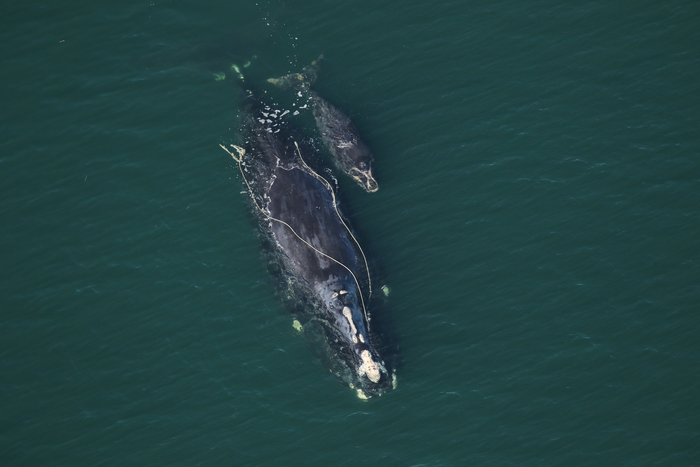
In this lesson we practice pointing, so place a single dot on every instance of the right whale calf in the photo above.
(350, 153)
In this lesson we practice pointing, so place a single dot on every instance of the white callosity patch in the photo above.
(348, 314)
(369, 367)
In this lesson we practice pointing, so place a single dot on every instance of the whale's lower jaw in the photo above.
(366, 373)
(362, 394)
(366, 388)
(373, 384)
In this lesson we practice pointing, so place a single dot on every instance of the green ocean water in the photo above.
(537, 223)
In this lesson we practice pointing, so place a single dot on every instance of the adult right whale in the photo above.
(323, 275)
(350, 153)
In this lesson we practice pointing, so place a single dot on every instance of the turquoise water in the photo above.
(537, 224)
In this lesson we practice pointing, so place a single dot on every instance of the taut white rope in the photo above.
(239, 159)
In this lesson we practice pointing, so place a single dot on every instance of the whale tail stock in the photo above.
(303, 80)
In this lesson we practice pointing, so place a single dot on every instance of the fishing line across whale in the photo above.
(239, 159)
(340, 218)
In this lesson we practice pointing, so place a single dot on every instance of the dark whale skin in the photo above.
(350, 152)
(323, 275)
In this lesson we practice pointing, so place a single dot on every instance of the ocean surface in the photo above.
(537, 225)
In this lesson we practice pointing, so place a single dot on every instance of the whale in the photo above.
(350, 153)
(322, 273)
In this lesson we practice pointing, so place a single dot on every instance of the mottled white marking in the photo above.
(369, 367)
(344, 144)
(348, 315)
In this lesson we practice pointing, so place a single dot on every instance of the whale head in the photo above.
(354, 158)
(363, 175)
(352, 354)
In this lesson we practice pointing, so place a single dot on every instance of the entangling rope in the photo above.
(239, 159)
(335, 206)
